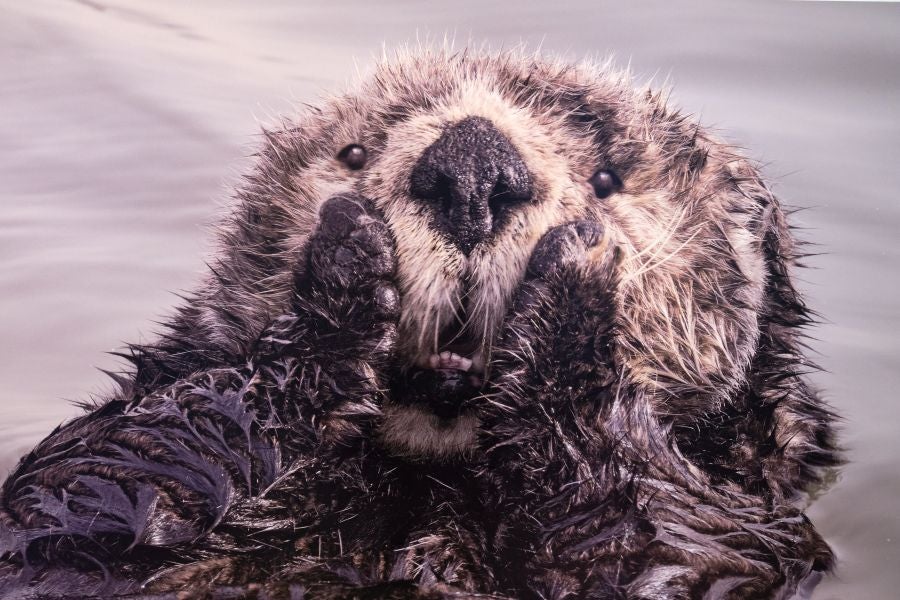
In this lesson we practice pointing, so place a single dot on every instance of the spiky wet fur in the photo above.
(647, 432)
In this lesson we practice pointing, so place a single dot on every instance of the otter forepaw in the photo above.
(346, 304)
(569, 261)
(353, 247)
(560, 325)
(349, 282)
(564, 246)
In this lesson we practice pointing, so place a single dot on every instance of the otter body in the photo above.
(490, 325)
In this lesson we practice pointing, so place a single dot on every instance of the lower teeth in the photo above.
(449, 360)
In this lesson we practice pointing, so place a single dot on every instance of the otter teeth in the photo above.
(449, 360)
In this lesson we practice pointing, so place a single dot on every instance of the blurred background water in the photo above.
(123, 124)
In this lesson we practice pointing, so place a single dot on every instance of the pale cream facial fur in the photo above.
(414, 432)
(434, 275)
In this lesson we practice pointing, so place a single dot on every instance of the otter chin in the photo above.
(486, 325)
(430, 410)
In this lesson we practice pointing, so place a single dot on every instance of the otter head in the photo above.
(472, 158)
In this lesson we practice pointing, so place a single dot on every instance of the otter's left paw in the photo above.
(571, 260)
(560, 326)
(564, 246)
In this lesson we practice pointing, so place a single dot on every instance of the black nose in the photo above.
(475, 176)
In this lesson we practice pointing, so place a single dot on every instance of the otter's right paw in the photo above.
(348, 287)
(352, 248)
(351, 259)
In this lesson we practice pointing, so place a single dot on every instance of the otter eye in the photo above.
(605, 183)
(354, 156)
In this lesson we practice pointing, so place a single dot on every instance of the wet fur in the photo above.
(647, 433)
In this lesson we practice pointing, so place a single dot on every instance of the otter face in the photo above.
(472, 159)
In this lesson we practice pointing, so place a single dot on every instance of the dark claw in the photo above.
(387, 301)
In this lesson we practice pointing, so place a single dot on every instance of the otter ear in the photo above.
(793, 427)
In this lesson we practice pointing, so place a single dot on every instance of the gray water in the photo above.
(123, 124)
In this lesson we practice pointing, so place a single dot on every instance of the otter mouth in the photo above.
(449, 381)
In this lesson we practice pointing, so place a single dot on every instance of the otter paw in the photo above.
(564, 246)
(352, 248)
(349, 286)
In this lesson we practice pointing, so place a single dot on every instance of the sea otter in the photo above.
(489, 325)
